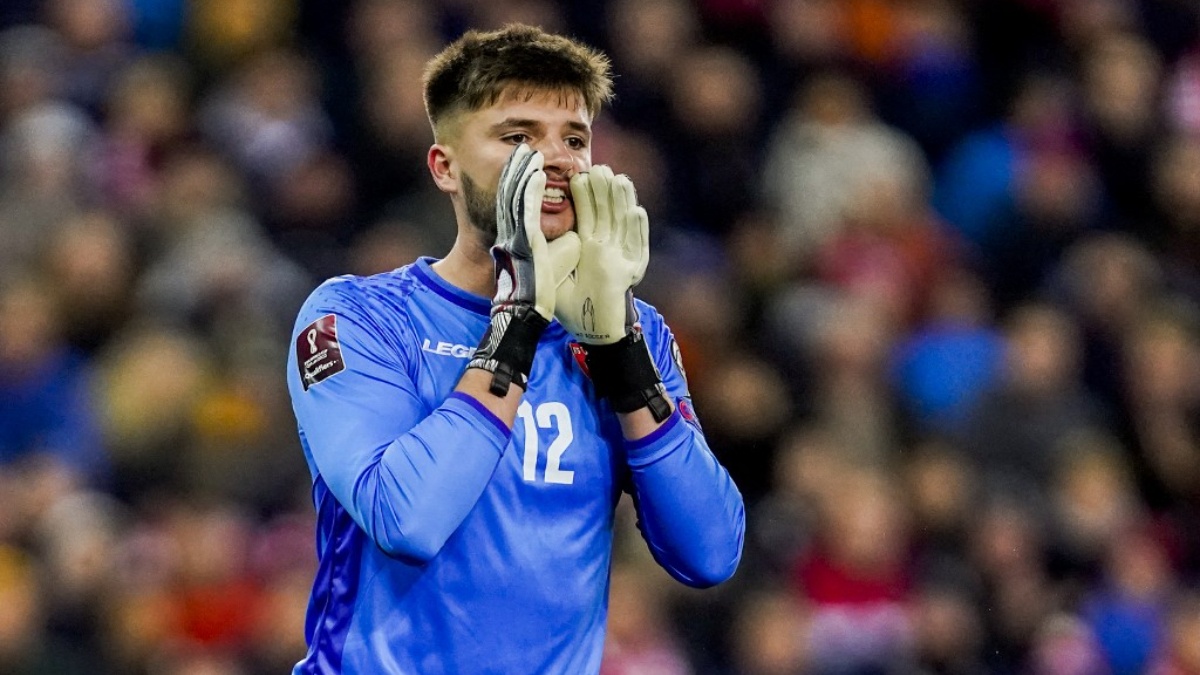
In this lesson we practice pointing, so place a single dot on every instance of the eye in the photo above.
(576, 143)
(517, 138)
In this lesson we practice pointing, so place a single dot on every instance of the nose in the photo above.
(559, 161)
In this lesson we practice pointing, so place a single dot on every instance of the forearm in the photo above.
(477, 384)
(426, 481)
(689, 510)
(640, 423)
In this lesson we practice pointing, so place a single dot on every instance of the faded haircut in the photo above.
(474, 71)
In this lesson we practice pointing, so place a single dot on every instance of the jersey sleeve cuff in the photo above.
(470, 407)
(652, 447)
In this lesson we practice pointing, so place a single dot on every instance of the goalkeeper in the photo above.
(471, 422)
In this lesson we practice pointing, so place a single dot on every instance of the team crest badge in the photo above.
(580, 355)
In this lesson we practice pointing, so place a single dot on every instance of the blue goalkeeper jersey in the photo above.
(450, 544)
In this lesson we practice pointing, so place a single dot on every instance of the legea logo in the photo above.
(448, 349)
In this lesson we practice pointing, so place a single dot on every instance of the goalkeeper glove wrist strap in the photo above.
(624, 373)
(508, 347)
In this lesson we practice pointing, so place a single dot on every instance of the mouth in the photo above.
(555, 200)
(554, 195)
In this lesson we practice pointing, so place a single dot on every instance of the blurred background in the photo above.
(934, 266)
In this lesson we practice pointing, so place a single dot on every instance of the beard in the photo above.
(481, 209)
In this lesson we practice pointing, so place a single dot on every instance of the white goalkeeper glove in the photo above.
(596, 302)
(528, 270)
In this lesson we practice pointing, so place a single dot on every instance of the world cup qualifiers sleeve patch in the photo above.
(318, 354)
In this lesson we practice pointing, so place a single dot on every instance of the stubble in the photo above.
(481, 209)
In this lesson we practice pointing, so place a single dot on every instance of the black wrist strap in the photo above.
(624, 373)
(508, 347)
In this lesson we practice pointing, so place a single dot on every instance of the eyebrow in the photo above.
(523, 123)
(581, 128)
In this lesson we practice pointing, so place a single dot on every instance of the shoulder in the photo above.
(372, 313)
(654, 327)
(663, 347)
(359, 298)
(648, 315)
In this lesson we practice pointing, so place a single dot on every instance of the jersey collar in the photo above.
(476, 304)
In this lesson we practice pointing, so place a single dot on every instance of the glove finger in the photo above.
(585, 205)
(601, 181)
(535, 162)
(512, 177)
(536, 278)
(528, 206)
(623, 202)
(515, 158)
(639, 243)
(629, 198)
(503, 189)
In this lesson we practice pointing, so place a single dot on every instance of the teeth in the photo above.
(553, 195)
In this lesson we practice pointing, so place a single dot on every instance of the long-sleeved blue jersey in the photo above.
(447, 542)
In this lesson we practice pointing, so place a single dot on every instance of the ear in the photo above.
(443, 168)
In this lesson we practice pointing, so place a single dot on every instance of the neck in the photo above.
(468, 266)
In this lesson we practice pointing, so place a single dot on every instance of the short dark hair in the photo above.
(474, 71)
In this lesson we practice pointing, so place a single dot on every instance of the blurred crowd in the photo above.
(934, 266)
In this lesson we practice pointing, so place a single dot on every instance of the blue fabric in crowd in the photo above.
(48, 411)
(1129, 631)
(941, 371)
(973, 191)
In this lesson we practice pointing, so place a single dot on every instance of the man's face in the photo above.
(554, 124)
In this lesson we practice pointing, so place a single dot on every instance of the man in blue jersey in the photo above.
(471, 422)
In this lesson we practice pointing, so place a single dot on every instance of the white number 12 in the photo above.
(552, 415)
